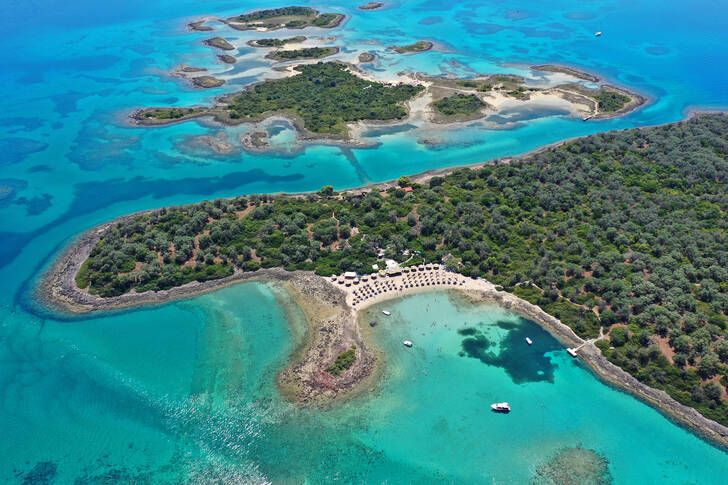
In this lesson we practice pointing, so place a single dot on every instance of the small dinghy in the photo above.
(407, 343)
(501, 407)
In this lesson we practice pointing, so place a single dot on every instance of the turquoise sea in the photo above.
(185, 392)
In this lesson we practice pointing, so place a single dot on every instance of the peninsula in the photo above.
(618, 238)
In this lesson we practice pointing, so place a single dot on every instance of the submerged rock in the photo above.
(574, 466)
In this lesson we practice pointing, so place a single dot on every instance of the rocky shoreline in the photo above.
(334, 326)
(607, 371)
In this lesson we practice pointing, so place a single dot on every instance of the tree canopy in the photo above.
(325, 96)
(625, 230)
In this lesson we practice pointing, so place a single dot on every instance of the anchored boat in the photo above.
(407, 343)
(386, 312)
(529, 341)
(501, 407)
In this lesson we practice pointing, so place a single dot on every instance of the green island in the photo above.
(207, 82)
(190, 69)
(227, 59)
(284, 18)
(419, 46)
(322, 99)
(272, 42)
(305, 53)
(325, 96)
(459, 105)
(366, 57)
(371, 6)
(219, 43)
(343, 361)
(625, 231)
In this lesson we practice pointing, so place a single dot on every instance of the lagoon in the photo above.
(187, 391)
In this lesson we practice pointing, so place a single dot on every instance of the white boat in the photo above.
(529, 341)
(501, 407)
(386, 312)
(598, 34)
(572, 352)
(407, 343)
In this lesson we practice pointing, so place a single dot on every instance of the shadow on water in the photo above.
(522, 362)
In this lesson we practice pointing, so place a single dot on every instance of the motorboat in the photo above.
(407, 343)
(386, 312)
(529, 341)
(501, 407)
(598, 34)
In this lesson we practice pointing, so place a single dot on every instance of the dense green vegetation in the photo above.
(325, 96)
(305, 53)
(343, 361)
(291, 17)
(458, 105)
(625, 230)
(276, 12)
(479, 85)
(610, 100)
(278, 42)
(324, 19)
(169, 113)
(419, 46)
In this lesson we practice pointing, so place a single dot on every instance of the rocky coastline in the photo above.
(334, 326)
(605, 370)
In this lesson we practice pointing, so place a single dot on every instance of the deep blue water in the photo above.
(144, 392)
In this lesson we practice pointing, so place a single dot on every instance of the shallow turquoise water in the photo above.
(185, 391)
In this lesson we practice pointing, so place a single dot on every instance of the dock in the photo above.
(573, 351)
